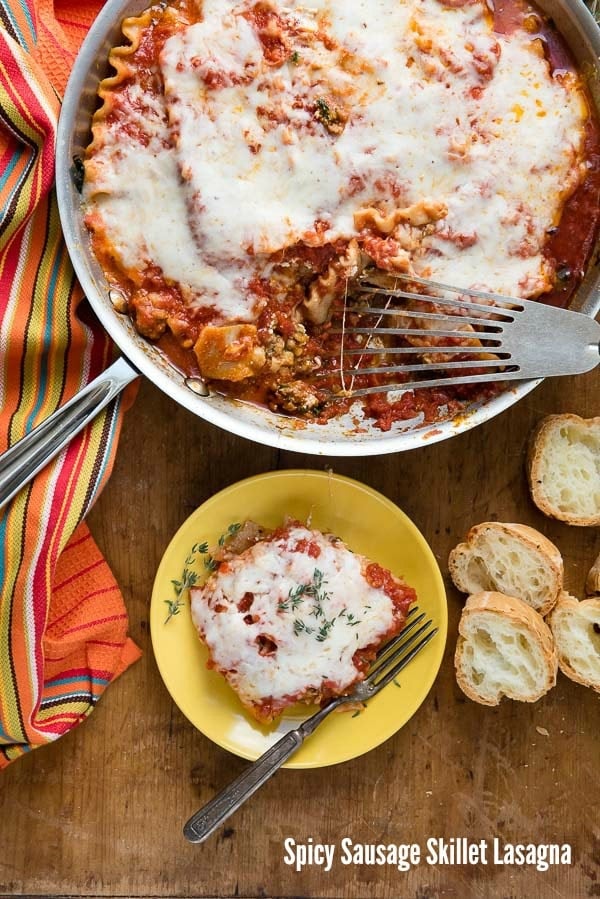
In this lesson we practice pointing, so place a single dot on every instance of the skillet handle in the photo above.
(22, 461)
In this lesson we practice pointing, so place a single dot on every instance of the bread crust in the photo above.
(592, 583)
(517, 612)
(538, 441)
(569, 605)
(524, 534)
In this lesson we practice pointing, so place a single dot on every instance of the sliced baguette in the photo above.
(592, 583)
(563, 467)
(576, 629)
(508, 558)
(504, 648)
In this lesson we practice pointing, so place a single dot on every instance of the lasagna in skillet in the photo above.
(292, 616)
(251, 159)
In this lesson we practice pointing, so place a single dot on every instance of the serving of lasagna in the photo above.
(292, 615)
(251, 158)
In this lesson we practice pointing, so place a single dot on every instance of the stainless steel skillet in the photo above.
(338, 437)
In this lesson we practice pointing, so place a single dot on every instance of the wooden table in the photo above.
(100, 812)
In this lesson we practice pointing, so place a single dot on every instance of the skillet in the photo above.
(338, 437)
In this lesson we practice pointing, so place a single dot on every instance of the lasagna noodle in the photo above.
(135, 208)
(119, 58)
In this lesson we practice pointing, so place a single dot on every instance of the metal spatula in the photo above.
(448, 335)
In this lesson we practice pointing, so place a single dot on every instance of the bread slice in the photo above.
(576, 629)
(508, 558)
(504, 648)
(563, 468)
(592, 583)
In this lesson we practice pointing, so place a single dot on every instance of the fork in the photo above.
(520, 338)
(390, 660)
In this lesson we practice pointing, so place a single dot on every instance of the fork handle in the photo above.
(214, 813)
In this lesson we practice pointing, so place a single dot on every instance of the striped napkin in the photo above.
(63, 625)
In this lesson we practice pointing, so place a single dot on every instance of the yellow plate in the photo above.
(368, 523)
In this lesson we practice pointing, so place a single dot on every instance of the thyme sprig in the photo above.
(300, 627)
(210, 563)
(297, 594)
(294, 600)
(196, 548)
(189, 577)
(324, 630)
(315, 590)
(230, 532)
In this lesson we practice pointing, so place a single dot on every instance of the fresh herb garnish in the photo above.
(316, 591)
(295, 57)
(189, 579)
(295, 598)
(230, 532)
(323, 111)
(334, 118)
(324, 630)
(196, 548)
(300, 627)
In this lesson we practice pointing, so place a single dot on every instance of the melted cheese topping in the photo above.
(271, 572)
(284, 129)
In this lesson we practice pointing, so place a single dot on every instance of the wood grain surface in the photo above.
(100, 812)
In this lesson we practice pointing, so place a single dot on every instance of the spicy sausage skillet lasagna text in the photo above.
(250, 158)
(292, 615)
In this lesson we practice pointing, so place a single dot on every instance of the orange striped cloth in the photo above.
(63, 625)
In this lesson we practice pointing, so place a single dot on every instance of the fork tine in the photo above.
(397, 668)
(388, 647)
(389, 652)
(412, 611)
(408, 626)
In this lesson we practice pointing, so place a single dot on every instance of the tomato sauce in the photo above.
(381, 579)
(309, 547)
(570, 244)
